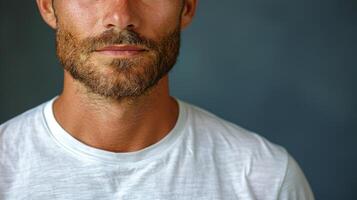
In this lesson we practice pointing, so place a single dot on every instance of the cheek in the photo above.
(156, 18)
(79, 17)
(159, 17)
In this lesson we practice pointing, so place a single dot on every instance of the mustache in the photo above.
(112, 37)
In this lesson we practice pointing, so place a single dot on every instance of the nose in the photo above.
(120, 14)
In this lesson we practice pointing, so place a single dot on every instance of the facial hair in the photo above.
(117, 78)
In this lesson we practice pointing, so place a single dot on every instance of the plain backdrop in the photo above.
(282, 68)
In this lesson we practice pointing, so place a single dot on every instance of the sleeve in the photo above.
(295, 185)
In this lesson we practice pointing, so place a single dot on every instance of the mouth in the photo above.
(121, 50)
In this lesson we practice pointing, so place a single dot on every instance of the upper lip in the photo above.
(121, 48)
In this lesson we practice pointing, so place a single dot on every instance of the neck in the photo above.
(118, 126)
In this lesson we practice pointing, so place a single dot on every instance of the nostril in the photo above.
(130, 26)
(110, 26)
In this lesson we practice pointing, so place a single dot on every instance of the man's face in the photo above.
(118, 48)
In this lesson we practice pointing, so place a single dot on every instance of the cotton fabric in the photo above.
(202, 158)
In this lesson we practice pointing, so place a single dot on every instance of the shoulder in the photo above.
(227, 136)
(295, 185)
(23, 121)
(258, 165)
(16, 132)
(19, 138)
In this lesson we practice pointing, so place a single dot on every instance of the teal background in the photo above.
(282, 68)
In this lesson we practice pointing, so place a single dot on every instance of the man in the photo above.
(116, 133)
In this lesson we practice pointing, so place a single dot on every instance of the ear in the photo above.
(47, 11)
(188, 11)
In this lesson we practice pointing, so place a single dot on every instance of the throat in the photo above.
(119, 129)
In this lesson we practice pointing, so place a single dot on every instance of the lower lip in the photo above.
(121, 53)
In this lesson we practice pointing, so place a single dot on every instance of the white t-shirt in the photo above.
(202, 158)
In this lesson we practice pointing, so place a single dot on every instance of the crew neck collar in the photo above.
(76, 147)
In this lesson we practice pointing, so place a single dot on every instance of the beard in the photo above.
(117, 78)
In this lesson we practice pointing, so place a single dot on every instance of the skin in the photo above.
(128, 124)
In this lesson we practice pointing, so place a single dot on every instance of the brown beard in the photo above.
(117, 78)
